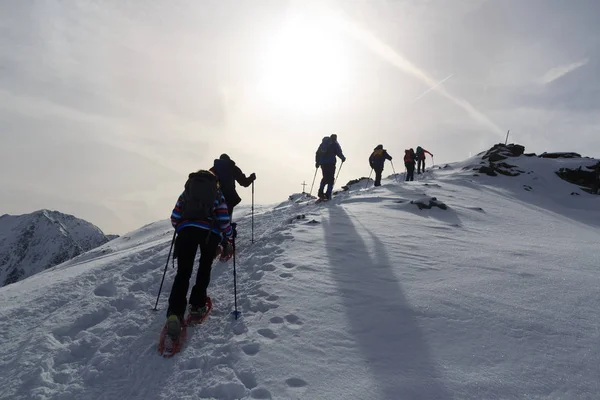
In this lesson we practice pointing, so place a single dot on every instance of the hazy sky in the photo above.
(106, 106)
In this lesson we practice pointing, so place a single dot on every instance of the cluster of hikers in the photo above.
(330, 149)
(202, 217)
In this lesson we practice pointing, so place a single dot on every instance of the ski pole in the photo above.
(369, 178)
(165, 273)
(394, 170)
(338, 174)
(252, 212)
(313, 183)
(236, 312)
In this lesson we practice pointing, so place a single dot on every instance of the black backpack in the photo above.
(199, 196)
(326, 147)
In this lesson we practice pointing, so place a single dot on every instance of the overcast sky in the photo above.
(106, 106)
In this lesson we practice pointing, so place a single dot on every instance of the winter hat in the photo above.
(333, 136)
(224, 157)
(379, 147)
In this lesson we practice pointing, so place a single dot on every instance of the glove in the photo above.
(391, 158)
(253, 176)
(316, 165)
(234, 229)
(227, 251)
(344, 159)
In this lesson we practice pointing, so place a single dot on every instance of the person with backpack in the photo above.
(421, 159)
(409, 163)
(228, 173)
(376, 161)
(200, 218)
(325, 158)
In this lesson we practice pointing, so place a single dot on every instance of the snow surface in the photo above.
(367, 297)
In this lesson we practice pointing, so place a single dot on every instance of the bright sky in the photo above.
(106, 107)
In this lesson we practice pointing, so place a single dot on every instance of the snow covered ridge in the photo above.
(508, 160)
(453, 286)
(31, 243)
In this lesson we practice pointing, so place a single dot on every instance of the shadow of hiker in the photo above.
(379, 315)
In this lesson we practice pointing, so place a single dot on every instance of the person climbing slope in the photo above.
(325, 158)
(376, 161)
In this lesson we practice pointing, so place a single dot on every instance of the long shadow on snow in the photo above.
(380, 316)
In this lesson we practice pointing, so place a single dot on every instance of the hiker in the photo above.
(421, 159)
(200, 218)
(409, 163)
(326, 159)
(228, 173)
(376, 161)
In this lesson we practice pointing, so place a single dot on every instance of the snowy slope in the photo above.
(31, 243)
(367, 297)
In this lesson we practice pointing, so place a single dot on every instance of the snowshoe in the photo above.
(197, 315)
(172, 337)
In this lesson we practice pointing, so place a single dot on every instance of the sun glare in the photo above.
(305, 68)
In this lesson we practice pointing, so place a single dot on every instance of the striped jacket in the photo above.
(221, 226)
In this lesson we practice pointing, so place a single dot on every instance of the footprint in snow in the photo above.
(260, 393)
(251, 349)
(296, 382)
(128, 302)
(108, 289)
(268, 267)
(268, 333)
(276, 320)
(293, 319)
(289, 265)
(82, 323)
(286, 275)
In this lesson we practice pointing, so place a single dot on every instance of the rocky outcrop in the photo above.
(493, 163)
(560, 155)
(588, 177)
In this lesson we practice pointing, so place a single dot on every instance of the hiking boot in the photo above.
(197, 313)
(173, 326)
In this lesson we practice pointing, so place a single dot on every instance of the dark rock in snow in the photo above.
(560, 155)
(498, 153)
(588, 179)
(428, 203)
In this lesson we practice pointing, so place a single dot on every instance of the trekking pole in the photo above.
(236, 312)
(252, 240)
(338, 174)
(313, 184)
(165, 273)
(369, 178)
(394, 170)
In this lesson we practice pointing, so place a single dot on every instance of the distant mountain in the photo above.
(31, 243)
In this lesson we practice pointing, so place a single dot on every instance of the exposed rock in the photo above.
(428, 203)
(588, 179)
(498, 153)
(560, 155)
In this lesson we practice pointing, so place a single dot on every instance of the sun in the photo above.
(306, 68)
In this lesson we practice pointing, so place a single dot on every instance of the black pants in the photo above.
(188, 240)
(410, 171)
(378, 173)
(420, 166)
(328, 179)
